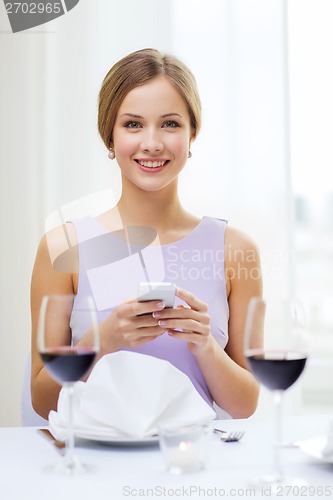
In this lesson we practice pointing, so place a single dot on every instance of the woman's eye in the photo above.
(132, 124)
(171, 124)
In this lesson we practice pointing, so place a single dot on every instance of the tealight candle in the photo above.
(184, 457)
(184, 449)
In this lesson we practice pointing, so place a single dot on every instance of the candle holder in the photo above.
(185, 449)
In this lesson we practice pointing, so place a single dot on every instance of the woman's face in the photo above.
(152, 135)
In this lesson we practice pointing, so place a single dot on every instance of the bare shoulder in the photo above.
(59, 245)
(236, 239)
(242, 260)
(56, 261)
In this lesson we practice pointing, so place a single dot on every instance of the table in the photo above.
(140, 473)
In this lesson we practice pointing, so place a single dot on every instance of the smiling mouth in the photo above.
(152, 164)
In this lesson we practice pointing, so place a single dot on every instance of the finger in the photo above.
(143, 321)
(150, 331)
(190, 337)
(146, 332)
(137, 308)
(150, 306)
(191, 299)
(189, 325)
(179, 313)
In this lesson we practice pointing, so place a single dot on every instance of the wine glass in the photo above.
(65, 362)
(276, 351)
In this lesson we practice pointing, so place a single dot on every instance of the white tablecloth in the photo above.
(140, 473)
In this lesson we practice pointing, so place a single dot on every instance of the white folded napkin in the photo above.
(131, 395)
(328, 448)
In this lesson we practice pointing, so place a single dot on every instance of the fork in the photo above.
(229, 437)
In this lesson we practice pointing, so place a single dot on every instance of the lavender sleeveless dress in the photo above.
(110, 271)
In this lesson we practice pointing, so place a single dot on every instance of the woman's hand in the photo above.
(192, 320)
(131, 324)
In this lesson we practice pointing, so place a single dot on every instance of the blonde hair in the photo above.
(135, 70)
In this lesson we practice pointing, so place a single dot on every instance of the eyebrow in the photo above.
(133, 115)
(170, 114)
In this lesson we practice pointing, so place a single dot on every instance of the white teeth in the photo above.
(151, 164)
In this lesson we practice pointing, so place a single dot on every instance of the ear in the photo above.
(192, 136)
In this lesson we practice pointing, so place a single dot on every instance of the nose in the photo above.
(151, 141)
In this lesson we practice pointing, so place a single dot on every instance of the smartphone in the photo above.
(155, 290)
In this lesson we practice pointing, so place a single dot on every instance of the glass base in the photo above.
(289, 444)
(69, 467)
(176, 469)
(278, 485)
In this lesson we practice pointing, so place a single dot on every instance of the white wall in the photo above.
(51, 153)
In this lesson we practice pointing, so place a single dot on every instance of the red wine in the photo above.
(68, 364)
(277, 370)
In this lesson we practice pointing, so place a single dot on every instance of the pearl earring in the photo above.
(189, 154)
(111, 154)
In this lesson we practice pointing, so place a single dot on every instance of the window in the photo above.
(311, 106)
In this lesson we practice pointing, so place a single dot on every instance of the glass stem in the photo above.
(277, 470)
(70, 436)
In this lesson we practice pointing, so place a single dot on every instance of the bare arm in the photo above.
(45, 281)
(232, 386)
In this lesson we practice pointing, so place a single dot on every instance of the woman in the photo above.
(149, 114)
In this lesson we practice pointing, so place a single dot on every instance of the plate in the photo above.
(314, 448)
(122, 441)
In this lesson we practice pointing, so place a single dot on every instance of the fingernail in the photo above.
(160, 305)
(161, 322)
(157, 314)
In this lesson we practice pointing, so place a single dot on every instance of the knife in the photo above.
(60, 446)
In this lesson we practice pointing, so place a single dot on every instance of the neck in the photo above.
(159, 209)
